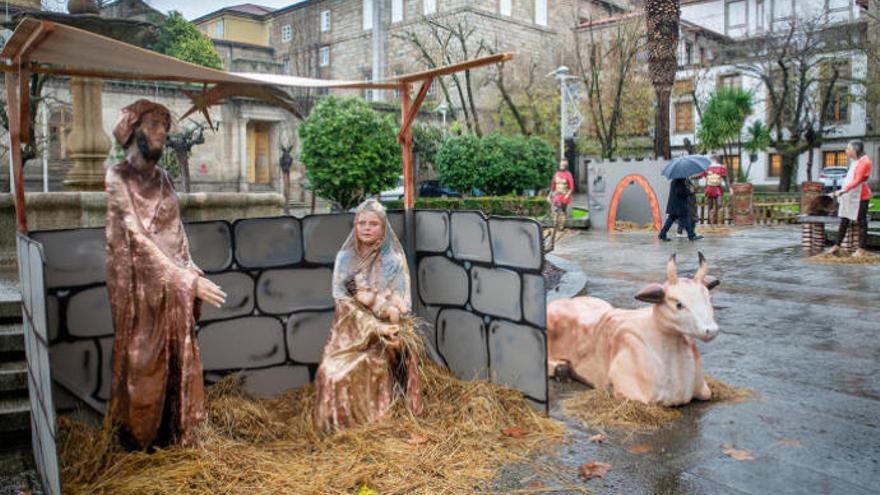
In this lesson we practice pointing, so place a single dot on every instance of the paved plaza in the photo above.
(804, 336)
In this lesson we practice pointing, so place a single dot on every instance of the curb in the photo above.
(573, 281)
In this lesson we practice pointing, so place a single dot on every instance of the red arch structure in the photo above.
(652, 199)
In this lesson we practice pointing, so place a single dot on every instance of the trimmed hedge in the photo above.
(520, 206)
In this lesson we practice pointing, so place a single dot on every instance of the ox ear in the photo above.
(710, 282)
(700, 277)
(654, 294)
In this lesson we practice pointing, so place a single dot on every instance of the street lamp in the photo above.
(570, 118)
(443, 108)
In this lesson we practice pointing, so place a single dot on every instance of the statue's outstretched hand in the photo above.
(210, 292)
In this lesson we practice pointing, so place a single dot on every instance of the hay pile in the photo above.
(270, 446)
(714, 230)
(627, 226)
(599, 409)
(845, 259)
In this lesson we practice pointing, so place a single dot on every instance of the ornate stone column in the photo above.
(88, 144)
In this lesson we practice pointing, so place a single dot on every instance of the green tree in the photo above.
(349, 150)
(180, 39)
(496, 164)
(722, 120)
(757, 140)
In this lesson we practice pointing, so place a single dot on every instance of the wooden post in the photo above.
(405, 138)
(15, 86)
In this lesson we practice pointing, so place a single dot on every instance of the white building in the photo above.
(744, 23)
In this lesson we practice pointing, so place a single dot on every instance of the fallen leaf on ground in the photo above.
(791, 442)
(416, 439)
(641, 448)
(515, 432)
(366, 490)
(592, 470)
(738, 454)
(597, 438)
(535, 485)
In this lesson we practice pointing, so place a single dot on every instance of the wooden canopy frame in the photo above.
(46, 47)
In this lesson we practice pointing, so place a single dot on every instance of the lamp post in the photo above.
(570, 118)
(443, 108)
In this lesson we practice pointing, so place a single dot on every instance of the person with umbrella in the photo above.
(677, 210)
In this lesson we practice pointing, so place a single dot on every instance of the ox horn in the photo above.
(702, 275)
(704, 268)
(671, 271)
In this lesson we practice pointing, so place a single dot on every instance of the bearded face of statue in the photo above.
(151, 136)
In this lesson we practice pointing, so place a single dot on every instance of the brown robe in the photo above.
(157, 394)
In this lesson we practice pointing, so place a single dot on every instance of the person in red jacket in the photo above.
(856, 185)
(560, 191)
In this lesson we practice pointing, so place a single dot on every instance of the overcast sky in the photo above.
(197, 8)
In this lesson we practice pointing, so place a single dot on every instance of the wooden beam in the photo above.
(449, 69)
(23, 32)
(407, 149)
(408, 119)
(24, 105)
(36, 38)
(12, 109)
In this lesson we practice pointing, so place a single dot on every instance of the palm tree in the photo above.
(662, 18)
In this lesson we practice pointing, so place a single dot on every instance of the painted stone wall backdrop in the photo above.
(39, 376)
(480, 286)
(481, 283)
(276, 271)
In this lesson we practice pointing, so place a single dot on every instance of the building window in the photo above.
(683, 87)
(732, 162)
(684, 117)
(60, 125)
(736, 18)
(218, 29)
(429, 6)
(285, 68)
(781, 14)
(834, 159)
(505, 7)
(286, 33)
(325, 21)
(368, 14)
(396, 10)
(730, 81)
(703, 58)
(759, 15)
(837, 111)
(368, 92)
(838, 10)
(688, 53)
(541, 12)
(774, 165)
(324, 56)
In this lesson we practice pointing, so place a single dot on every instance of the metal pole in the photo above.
(45, 114)
(561, 118)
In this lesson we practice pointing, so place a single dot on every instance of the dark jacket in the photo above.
(678, 198)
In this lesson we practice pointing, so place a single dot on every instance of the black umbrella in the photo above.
(686, 166)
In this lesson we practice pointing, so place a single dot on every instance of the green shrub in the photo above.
(496, 164)
(490, 205)
(349, 150)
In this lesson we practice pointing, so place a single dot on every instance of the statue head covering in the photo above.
(130, 117)
(381, 266)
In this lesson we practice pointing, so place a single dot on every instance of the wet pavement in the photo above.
(804, 336)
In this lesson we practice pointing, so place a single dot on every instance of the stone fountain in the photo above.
(88, 144)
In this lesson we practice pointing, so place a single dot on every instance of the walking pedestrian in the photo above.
(677, 210)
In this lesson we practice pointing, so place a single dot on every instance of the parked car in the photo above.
(392, 194)
(433, 189)
(832, 178)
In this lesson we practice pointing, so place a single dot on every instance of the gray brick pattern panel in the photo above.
(35, 325)
(480, 286)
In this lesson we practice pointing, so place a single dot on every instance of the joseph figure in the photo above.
(157, 395)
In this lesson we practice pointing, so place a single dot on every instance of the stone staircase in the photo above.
(14, 403)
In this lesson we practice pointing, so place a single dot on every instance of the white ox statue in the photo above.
(645, 354)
